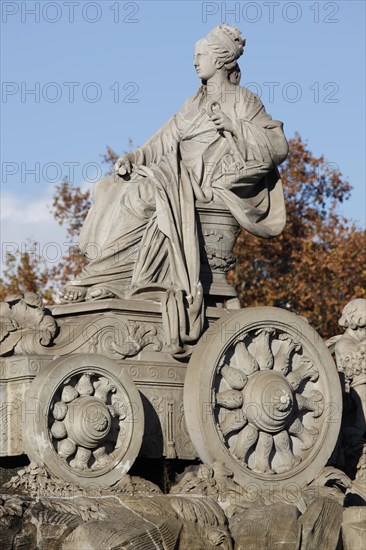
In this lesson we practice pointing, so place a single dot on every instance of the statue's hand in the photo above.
(223, 122)
(123, 165)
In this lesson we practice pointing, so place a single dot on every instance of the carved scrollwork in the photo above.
(137, 337)
(134, 371)
(109, 335)
(26, 326)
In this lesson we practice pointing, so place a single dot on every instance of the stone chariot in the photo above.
(88, 387)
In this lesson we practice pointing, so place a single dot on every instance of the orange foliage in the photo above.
(318, 263)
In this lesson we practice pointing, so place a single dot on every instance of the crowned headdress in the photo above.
(229, 37)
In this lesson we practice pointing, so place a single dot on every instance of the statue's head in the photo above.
(219, 50)
(354, 314)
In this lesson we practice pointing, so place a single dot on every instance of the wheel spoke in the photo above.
(59, 410)
(284, 453)
(314, 403)
(84, 386)
(306, 371)
(233, 421)
(234, 377)
(245, 441)
(282, 359)
(82, 457)
(102, 388)
(101, 458)
(244, 360)
(230, 399)
(262, 452)
(58, 430)
(66, 448)
(306, 436)
(69, 393)
(264, 354)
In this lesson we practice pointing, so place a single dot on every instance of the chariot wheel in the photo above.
(262, 395)
(84, 420)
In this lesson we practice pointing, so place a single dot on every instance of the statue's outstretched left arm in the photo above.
(153, 149)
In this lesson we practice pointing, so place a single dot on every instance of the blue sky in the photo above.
(104, 71)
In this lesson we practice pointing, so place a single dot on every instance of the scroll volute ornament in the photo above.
(26, 326)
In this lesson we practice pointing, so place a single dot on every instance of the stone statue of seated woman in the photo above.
(141, 234)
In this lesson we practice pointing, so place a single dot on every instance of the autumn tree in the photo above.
(69, 207)
(318, 263)
(25, 272)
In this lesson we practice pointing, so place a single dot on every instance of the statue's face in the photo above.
(204, 62)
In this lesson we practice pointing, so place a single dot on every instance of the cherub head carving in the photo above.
(354, 314)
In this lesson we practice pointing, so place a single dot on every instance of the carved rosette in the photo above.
(91, 423)
(273, 407)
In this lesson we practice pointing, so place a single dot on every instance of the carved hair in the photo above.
(354, 314)
(227, 46)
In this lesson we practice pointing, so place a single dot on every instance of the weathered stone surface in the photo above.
(216, 481)
(354, 528)
(89, 523)
(269, 527)
(11, 513)
(35, 481)
(125, 529)
(321, 525)
(356, 494)
(329, 483)
(204, 523)
(26, 539)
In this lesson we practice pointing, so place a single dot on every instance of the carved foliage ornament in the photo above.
(110, 335)
(25, 325)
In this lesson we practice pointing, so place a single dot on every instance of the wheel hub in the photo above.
(268, 401)
(88, 421)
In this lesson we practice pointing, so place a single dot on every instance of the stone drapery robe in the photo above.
(141, 235)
